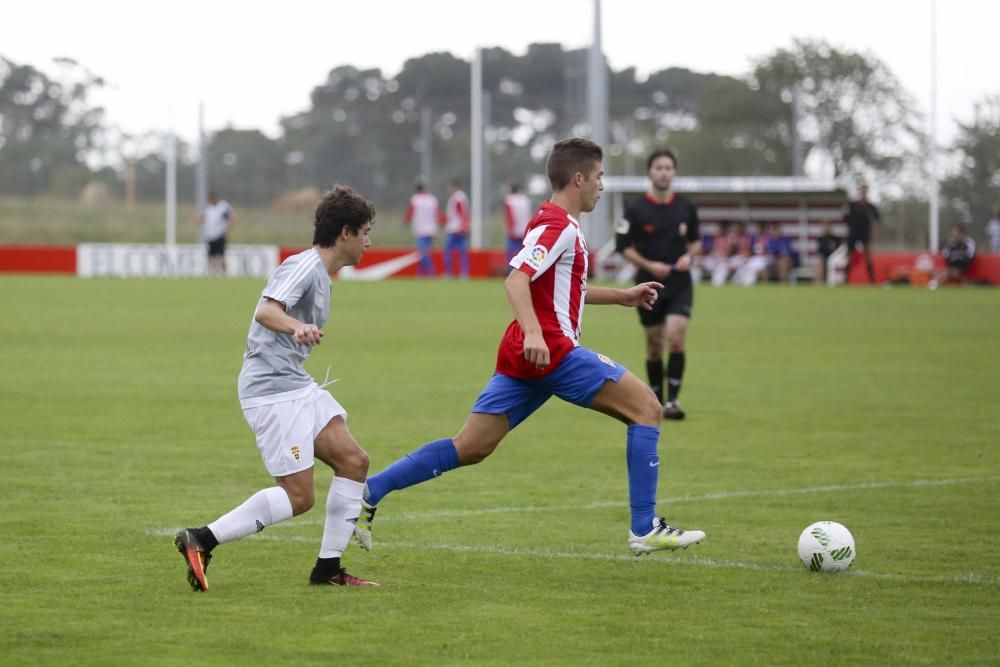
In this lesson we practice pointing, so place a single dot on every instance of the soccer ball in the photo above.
(826, 546)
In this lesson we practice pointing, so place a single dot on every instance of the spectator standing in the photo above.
(456, 229)
(424, 214)
(861, 217)
(216, 222)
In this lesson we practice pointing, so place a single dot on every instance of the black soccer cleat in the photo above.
(672, 410)
(195, 556)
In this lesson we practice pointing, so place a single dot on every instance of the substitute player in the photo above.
(294, 419)
(424, 214)
(517, 213)
(659, 235)
(540, 356)
(456, 229)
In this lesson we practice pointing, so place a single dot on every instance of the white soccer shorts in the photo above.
(285, 430)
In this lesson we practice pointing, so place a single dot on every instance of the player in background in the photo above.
(861, 217)
(216, 221)
(424, 214)
(517, 212)
(293, 418)
(659, 235)
(539, 356)
(456, 229)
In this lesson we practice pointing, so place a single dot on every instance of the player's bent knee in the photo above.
(302, 501)
(650, 413)
(473, 453)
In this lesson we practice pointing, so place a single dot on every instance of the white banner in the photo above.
(135, 260)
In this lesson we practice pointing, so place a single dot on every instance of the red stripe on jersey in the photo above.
(557, 263)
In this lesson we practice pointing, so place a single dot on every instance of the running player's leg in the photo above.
(616, 392)
(503, 404)
(284, 439)
(336, 447)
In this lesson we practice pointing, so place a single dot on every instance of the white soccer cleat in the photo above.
(663, 536)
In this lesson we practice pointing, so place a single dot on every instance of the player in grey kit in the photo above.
(293, 418)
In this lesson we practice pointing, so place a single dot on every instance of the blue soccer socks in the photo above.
(430, 461)
(643, 475)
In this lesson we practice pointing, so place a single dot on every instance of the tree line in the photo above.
(364, 127)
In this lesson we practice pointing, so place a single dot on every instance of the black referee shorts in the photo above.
(674, 299)
(217, 247)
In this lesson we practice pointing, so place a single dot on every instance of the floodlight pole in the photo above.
(171, 186)
(426, 137)
(201, 169)
(476, 143)
(933, 221)
(598, 229)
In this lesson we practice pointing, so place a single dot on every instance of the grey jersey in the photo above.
(273, 361)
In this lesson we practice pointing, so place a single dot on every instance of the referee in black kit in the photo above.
(659, 235)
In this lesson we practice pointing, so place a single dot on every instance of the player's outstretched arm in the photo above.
(271, 314)
(643, 295)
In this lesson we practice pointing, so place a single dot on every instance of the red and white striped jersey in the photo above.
(457, 214)
(517, 211)
(424, 213)
(554, 255)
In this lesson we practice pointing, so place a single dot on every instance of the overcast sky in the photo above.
(252, 62)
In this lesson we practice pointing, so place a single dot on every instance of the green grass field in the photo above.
(875, 408)
(53, 221)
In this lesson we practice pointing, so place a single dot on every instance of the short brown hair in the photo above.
(657, 154)
(569, 157)
(341, 207)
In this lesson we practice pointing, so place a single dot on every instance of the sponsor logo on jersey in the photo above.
(295, 452)
(537, 256)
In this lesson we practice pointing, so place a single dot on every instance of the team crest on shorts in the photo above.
(605, 359)
(683, 229)
(537, 256)
(295, 452)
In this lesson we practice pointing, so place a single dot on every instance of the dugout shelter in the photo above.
(799, 203)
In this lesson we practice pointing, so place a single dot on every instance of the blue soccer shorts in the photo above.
(577, 380)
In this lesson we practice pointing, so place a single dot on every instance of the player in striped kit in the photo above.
(517, 214)
(456, 229)
(424, 214)
(540, 356)
(293, 419)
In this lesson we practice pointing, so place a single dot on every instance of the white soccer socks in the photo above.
(343, 505)
(266, 507)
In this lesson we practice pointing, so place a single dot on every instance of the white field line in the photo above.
(721, 495)
(661, 560)
(698, 561)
